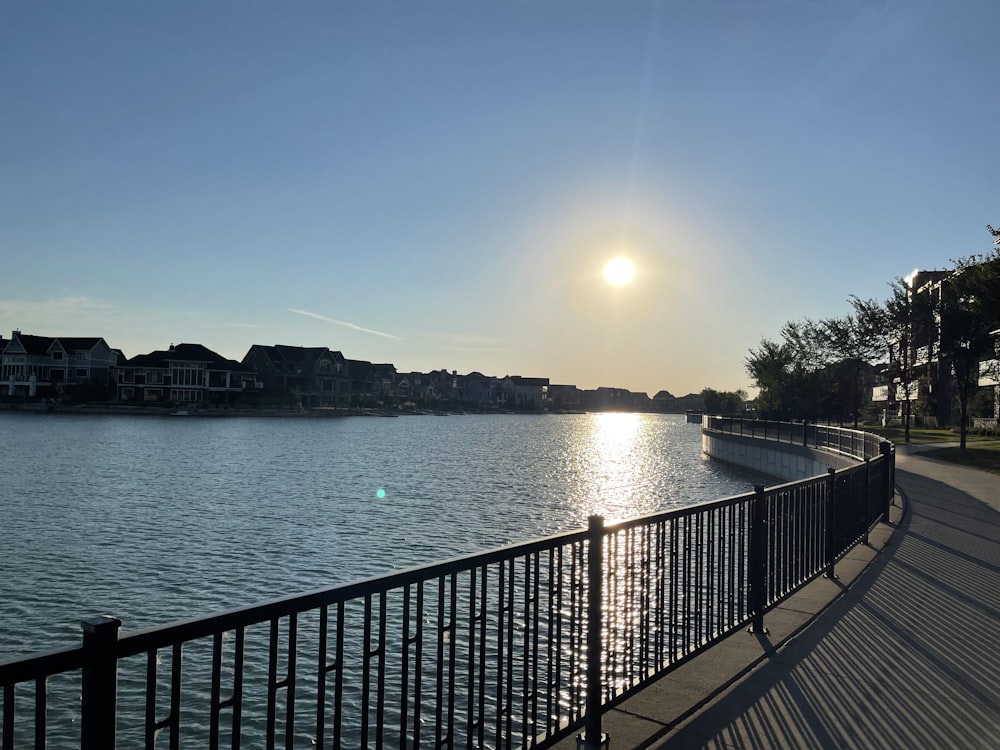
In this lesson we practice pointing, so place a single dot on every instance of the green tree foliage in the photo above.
(908, 317)
(771, 366)
(723, 402)
(970, 317)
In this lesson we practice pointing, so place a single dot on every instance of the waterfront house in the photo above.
(479, 390)
(55, 367)
(567, 397)
(371, 384)
(186, 374)
(415, 387)
(520, 393)
(310, 375)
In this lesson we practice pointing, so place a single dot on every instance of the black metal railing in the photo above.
(516, 647)
(854, 443)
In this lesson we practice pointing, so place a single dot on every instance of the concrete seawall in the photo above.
(785, 461)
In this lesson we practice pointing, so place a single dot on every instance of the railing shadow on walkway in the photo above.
(908, 657)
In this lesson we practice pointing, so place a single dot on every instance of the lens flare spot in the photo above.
(380, 493)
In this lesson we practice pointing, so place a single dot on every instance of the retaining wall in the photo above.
(785, 461)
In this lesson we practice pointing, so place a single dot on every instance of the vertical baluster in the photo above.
(758, 560)
(574, 625)
(526, 626)
(736, 562)
(646, 600)
(404, 666)
(237, 697)
(8, 717)
(501, 632)
(674, 586)
(660, 609)
(418, 663)
(380, 696)
(289, 682)
(483, 604)
(535, 624)
(509, 668)
(272, 679)
(41, 698)
(215, 697)
(554, 641)
(452, 625)
(322, 670)
(366, 671)
(473, 620)
(175, 697)
(688, 579)
(439, 696)
(712, 613)
(150, 723)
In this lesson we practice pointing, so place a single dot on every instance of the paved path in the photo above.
(907, 657)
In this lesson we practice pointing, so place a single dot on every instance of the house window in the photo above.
(127, 394)
(81, 372)
(187, 373)
(182, 395)
(57, 355)
(153, 394)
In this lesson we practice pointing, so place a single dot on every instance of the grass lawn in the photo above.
(983, 455)
(982, 451)
(895, 434)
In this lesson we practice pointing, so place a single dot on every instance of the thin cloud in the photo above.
(343, 323)
(464, 342)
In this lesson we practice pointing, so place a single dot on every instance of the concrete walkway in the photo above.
(902, 651)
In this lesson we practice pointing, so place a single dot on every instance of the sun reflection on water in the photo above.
(612, 450)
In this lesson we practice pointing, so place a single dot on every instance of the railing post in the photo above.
(831, 521)
(99, 690)
(885, 448)
(592, 737)
(868, 498)
(805, 433)
(758, 560)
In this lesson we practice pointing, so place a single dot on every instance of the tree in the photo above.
(970, 317)
(853, 343)
(770, 366)
(723, 402)
(907, 318)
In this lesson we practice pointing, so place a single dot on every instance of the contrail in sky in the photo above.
(345, 324)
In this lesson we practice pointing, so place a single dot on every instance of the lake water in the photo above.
(153, 519)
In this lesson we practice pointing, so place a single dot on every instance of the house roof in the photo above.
(42, 345)
(186, 353)
(79, 343)
(293, 360)
(518, 380)
(33, 344)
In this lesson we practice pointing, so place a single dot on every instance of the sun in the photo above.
(619, 271)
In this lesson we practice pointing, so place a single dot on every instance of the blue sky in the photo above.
(439, 184)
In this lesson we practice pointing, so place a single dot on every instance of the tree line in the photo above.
(824, 369)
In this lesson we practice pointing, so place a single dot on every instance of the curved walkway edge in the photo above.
(901, 650)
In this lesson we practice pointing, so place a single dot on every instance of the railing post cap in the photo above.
(100, 624)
